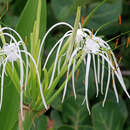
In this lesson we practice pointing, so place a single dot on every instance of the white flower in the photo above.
(90, 45)
(96, 46)
(11, 52)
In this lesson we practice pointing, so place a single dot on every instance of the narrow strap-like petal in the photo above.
(86, 81)
(69, 65)
(102, 77)
(95, 74)
(56, 59)
(51, 51)
(38, 76)
(44, 38)
(73, 79)
(117, 75)
(107, 87)
(98, 69)
(114, 86)
(2, 83)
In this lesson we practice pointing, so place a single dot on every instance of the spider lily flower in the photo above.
(90, 45)
(96, 46)
(12, 52)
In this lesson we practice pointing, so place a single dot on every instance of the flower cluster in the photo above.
(86, 46)
(91, 47)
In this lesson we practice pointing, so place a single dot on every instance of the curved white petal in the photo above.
(69, 65)
(117, 75)
(44, 38)
(95, 74)
(102, 77)
(51, 51)
(56, 59)
(114, 86)
(86, 81)
(73, 78)
(98, 69)
(107, 87)
(2, 83)
(40, 86)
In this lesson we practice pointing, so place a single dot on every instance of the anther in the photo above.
(128, 41)
(26, 41)
(120, 60)
(115, 68)
(92, 34)
(82, 20)
(77, 74)
(7, 6)
(119, 17)
(117, 41)
(67, 74)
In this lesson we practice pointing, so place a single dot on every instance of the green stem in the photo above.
(55, 82)
(118, 36)
(62, 86)
(106, 24)
(91, 14)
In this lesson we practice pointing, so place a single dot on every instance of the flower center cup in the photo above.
(11, 52)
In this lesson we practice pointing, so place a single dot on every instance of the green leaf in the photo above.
(64, 11)
(74, 113)
(28, 17)
(56, 104)
(65, 127)
(10, 107)
(79, 82)
(58, 122)
(110, 117)
(27, 124)
(40, 123)
(128, 128)
(46, 79)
